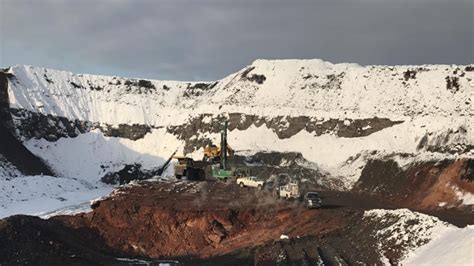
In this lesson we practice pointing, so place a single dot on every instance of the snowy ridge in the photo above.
(427, 112)
(432, 113)
(291, 87)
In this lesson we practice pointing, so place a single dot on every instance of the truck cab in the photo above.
(187, 167)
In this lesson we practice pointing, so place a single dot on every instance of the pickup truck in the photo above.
(312, 200)
(250, 181)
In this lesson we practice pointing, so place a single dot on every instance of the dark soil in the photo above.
(27, 240)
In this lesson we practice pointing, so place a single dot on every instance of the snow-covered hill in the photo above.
(337, 115)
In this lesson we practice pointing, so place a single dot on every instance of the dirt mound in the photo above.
(427, 185)
(210, 223)
(198, 219)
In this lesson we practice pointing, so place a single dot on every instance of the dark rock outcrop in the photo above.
(283, 126)
(10, 147)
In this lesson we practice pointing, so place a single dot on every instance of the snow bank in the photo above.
(454, 246)
(89, 156)
(36, 195)
(422, 239)
(291, 87)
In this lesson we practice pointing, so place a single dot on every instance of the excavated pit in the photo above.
(210, 223)
(424, 185)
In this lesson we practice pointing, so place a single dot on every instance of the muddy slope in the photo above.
(200, 220)
(211, 223)
(425, 185)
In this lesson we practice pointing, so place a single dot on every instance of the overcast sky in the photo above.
(205, 40)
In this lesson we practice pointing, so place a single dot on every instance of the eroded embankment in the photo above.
(198, 219)
(214, 222)
(424, 185)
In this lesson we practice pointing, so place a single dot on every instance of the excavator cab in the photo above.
(212, 153)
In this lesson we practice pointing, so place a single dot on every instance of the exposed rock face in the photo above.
(452, 141)
(36, 125)
(11, 149)
(283, 126)
(421, 185)
(5, 117)
(329, 113)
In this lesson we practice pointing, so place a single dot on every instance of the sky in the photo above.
(210, 39)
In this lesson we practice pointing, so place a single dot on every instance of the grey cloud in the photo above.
(209, 39)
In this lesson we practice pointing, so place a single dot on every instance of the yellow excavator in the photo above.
(212, 153)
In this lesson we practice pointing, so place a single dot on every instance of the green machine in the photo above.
(220, 171)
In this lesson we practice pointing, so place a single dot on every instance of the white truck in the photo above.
(289, 191)
(250, 181)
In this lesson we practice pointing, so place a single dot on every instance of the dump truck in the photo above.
(189, 168)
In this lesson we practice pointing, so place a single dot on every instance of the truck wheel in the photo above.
(241, 184)
(260, 187)
(287, 197)
(179, 176)
(202, 174)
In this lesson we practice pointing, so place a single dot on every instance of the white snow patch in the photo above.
(91, 155)
(39, 195)
(409, 228)
(466, 197)
(453, 246)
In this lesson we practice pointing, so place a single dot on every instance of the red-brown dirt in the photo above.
(220, 223)
(175, 219)
(422, 186)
